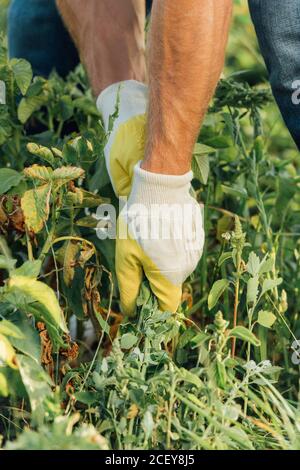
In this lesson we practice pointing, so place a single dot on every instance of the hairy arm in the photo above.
(186, 56)
(109, 35)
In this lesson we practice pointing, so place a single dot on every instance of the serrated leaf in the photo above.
(41, 293)
(216, 291)
(67, 173)
(270, 284)
(9, 178)
(252, 290)
(22, 73)
(253, 264)
(38, 172)
(266, 266)
(266, 319)
(36, 207)
(242, 333)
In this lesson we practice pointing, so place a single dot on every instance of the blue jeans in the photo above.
(37, 33)
(277, 24)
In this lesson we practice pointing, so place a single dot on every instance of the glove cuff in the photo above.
(133, 98)
(156, 188)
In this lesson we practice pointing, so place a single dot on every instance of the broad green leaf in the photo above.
(7, 353)
(217, 290)
(200, 167)
(266, 319)
(9, 178)
(224, 257)
(30, 343)
(29, 269)
(234, 191)
(266, 266)
(189, 377)
(252, 290)
(3, 386)
(41, 293)
(220, 373)
(253, 264)
(37, 383)
(44, 153)
(128, 341)
(36, 207)
(22, 73)
(244, 334)
(270, 284)
(28, 105)
(7, 328)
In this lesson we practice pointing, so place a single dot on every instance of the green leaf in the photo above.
(44, 153)
(41, 293)
(270, 284)
(224, 257)
(88, 398)
(217, 290)
(22, 73)
(234, 191)
(8, 179)
(128, 341)
(29, 269)
(253, 264)
(28, 105)
(220, 374)
(104, 325)
(37, 383)
(30, 343)
(200, 167)
(252, 290)
(266, 266)
(7, 328)
(7, 263)
(266, 319)
(148, 424)
(244, 334)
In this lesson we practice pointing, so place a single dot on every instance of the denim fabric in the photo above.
(277, 24)
(36, 33)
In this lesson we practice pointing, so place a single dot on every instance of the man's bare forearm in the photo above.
(186, 55)
(109, 35)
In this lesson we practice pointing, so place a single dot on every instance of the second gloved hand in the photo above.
(160, 234)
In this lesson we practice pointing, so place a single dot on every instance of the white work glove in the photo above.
(160, 234)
